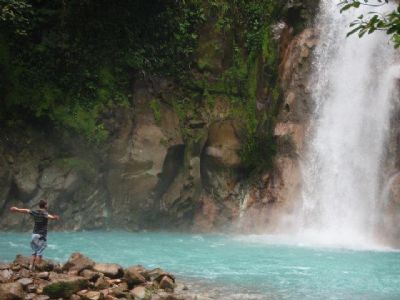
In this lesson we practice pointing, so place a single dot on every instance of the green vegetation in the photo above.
(239, 63)
(155, 106)
(67, 62)
(64, 289)
(373, 21)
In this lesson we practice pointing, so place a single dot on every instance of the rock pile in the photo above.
(81, 278)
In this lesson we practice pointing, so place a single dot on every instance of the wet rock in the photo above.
(162, 275)
(167, 283)
(155, 273)
(110, 270)
(11, 291)
(78, 262)
(135, 275)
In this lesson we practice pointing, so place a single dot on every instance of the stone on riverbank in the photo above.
(83, 279)
(11, 291)
(110, 270)
(78, 262)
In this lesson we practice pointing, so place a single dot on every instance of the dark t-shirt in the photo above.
(41, 219)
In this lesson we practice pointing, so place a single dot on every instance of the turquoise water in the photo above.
(234, 267)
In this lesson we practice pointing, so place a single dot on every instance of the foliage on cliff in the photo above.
(68, 61)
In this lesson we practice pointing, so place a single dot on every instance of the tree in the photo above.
(373, 21)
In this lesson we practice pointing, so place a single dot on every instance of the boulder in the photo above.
(139, 293)
(24, 273)
(5, 275)
(167, 283)
(74, 297)
(78, 262)
(90, 275)
(63, 286)
(11, 291)
(25, 281)
(22, 261)
(101, 283)
(110, 270)
(155, 273)
(120, 290)
(46, 266)
(162, 275)
(136, 275)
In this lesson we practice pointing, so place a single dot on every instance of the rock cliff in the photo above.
(179, 164)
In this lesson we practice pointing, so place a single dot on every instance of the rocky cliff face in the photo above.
(267, 202)
(168, 166)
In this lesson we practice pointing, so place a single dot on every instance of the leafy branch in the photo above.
(373, 21)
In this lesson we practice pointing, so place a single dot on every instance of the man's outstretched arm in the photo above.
(53, 217)
(20, 210)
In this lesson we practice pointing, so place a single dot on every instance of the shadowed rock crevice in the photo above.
(172, 164)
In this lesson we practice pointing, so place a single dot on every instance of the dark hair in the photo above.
(42, 203)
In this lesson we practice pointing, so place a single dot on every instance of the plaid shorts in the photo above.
(38, 244)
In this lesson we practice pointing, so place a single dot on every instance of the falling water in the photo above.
(352, 90)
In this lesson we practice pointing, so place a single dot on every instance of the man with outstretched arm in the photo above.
(39, 235)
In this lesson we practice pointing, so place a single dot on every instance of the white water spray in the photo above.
(352, 89)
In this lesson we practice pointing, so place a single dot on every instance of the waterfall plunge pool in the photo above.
(232, 266)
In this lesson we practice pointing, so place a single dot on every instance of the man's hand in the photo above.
(13, 209)
(53, 217)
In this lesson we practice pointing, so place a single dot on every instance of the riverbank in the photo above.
(81, 278)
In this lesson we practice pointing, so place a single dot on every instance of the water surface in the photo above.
(234, 267)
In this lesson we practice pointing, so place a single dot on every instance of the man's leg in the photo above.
(35, 249)
(42, 245)
(32, 266)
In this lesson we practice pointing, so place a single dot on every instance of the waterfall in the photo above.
(352, 89)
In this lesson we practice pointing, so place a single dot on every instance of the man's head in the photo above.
(43, 204)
